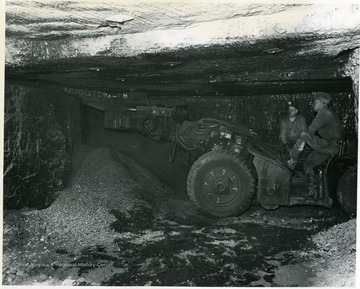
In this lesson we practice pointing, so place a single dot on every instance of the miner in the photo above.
(291, 127)
(324, 136)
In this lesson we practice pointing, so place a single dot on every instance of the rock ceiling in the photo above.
(181, 47)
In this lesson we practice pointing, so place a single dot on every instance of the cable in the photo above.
(177, 137)
(172, 151)
(202, 129)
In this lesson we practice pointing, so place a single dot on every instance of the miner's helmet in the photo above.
(324, 97)
(293, 103)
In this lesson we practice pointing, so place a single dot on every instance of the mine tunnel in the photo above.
(123, 78)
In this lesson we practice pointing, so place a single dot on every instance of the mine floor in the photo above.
(117, 224)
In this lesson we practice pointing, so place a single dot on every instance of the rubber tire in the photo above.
(210, 160)
(346, 192)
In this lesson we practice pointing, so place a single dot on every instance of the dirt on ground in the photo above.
(117, 224)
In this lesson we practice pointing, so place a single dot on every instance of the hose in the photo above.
(198, 132)
(202, 129)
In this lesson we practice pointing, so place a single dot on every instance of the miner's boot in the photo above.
(312, 192)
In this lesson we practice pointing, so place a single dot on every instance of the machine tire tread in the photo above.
(214, 156)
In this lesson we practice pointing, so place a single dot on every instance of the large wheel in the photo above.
(221, 184)
(347, 191)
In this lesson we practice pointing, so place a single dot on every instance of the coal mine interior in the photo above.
(114, 130)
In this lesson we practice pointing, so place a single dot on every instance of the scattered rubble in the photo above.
(335, 259)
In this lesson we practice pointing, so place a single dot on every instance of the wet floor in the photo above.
(261, 248)
(174, 251)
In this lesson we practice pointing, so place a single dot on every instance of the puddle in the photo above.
(137, 220)
(180, 252)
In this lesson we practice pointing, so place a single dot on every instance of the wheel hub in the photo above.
(221, 185)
